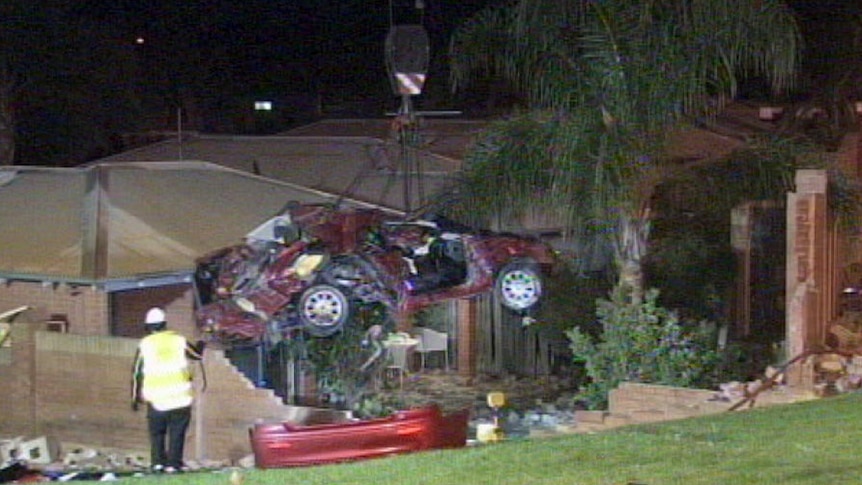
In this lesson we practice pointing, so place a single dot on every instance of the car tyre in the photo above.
(519, 285)
(323, 310)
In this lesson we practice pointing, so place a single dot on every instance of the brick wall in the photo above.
(85, 308)
(90, 311)
(129, 308)
(76, 389)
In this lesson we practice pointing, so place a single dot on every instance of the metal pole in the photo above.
(406, 162)
(200, 447)
(180, 131)
(260, 380)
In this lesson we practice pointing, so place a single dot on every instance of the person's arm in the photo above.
(137, 379)
(195, 351)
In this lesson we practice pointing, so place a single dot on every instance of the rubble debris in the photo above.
(5, 329)
(80, 455)
(846, 332)
(246, 461)
(10, 315)
(38, 451)
(43, 459)
(6, 319)
(729, 391)
(13, 472)
(9, 451)
(831, 371)
(848, 383)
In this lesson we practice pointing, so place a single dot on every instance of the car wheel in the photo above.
(519, 285)
(323, 310)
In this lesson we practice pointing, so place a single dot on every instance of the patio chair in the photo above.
(432, 341)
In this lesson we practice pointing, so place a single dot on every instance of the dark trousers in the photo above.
(168, 427)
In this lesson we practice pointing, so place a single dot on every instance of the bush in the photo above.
(338, 361)
(643, 343)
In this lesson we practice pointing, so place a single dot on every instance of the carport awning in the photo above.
(128, 224)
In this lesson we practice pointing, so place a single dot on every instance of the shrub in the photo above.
(339, 361)
(643, 343)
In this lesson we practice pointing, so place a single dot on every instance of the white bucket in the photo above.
(488, 433)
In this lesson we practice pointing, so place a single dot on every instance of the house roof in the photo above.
(362, 159)
(716, 138)
(444, 137)
(125, 219)
(330, 158)
(122, 224)
(142, 217)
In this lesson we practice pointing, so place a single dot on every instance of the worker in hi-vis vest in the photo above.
(163, 380)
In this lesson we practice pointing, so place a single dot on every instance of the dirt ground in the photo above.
(452, 391)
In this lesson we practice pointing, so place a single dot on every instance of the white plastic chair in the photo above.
(432, 341)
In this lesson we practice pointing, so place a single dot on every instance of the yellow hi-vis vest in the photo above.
(166, 377)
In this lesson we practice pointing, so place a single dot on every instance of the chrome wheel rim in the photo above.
(520, 288)
(323, 308)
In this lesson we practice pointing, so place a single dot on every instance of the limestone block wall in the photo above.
(227, 407)
(648, 402)
(632, 403)
(82, 388)
(76, 388)
(16, 381)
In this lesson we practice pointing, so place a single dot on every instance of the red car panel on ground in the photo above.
(426, 428)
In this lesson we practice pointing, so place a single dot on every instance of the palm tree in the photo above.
(605, 82)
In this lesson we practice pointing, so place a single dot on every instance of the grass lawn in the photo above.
(812, 442)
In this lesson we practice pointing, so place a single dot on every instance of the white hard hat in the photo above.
(155, 316)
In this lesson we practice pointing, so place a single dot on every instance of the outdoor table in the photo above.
(398, 349)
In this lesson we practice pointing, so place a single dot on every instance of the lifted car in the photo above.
(310, 266)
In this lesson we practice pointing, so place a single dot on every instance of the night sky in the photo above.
(84, 79)
(308, 45)
(283, 43)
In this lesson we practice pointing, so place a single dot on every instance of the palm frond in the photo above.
(608, 80)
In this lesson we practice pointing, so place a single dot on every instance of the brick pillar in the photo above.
(466, 315)
(807, 264)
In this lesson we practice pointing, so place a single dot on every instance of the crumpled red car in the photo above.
(309, 267)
